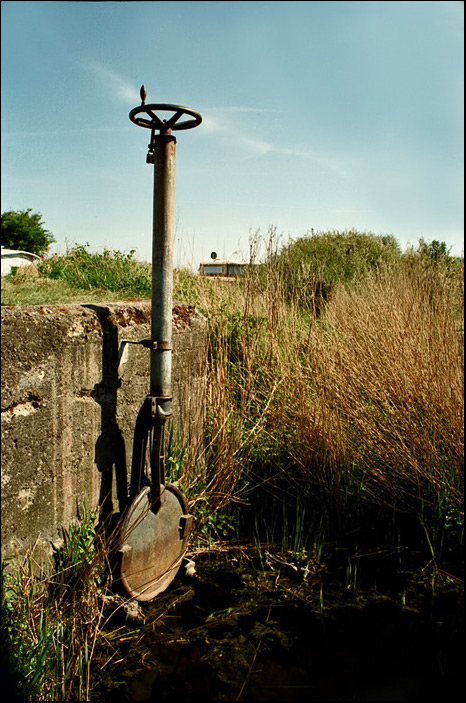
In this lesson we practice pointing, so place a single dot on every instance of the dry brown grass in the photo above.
(387, 369)
(367, 399)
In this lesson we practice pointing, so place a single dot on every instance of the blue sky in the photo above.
(323, 115)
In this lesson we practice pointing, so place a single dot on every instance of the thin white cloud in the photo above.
(327, 163)
(219, 120)
(257, 146)
(241, 108)
(115, 84)
(345, 211)
(54, 132)
(212, 124)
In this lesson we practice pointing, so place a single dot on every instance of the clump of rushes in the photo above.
(51, 618)
(385, 368)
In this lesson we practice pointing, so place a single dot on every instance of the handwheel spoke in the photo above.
(173, 119)
(156, 123)
(142, 122)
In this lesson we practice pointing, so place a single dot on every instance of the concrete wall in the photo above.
(69, 406)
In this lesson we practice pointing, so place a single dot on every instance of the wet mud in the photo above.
(288, 628)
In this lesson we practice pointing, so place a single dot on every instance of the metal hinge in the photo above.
(186, 525)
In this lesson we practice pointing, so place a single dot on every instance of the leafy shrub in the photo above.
(313, 265)
(24, 230)
(111, 270)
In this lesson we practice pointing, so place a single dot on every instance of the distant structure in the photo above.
(12, 258)
(222, 267)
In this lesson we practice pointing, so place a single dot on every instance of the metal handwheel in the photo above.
(164, 126)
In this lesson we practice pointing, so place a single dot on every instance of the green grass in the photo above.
(79, 276)
(111, 270)
(44, 291)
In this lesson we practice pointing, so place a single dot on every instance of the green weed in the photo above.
(51, 617)
(111, 270)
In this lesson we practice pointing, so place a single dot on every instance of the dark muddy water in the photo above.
(280, 629)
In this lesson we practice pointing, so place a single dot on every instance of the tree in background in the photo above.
(24, 230)
(437, 251)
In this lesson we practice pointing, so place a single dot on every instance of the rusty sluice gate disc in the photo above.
(153, 542)
(155, 530)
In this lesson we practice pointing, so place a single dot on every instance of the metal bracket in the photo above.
(186, 525)
(147, 343)
(157, 409)
(142, 342)
(150, 158)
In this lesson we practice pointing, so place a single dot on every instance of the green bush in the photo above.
(24, 230)
(111, 270)
(313, 265)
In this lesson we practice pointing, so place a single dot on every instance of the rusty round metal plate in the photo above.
(153, 542)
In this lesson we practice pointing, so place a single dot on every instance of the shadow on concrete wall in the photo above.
(72, 415)
(110, 454)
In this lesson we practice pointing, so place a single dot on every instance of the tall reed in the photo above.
(360, 406)
(387, 366)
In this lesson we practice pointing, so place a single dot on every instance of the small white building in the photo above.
(224, 269)
(13, 257)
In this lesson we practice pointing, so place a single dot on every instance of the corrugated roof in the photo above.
(219, 262)
(15, 252)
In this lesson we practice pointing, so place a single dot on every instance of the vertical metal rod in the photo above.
(164, 146)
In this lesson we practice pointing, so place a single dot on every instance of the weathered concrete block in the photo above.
(71, 392)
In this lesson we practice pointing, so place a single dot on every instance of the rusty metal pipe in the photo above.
(164, 147)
